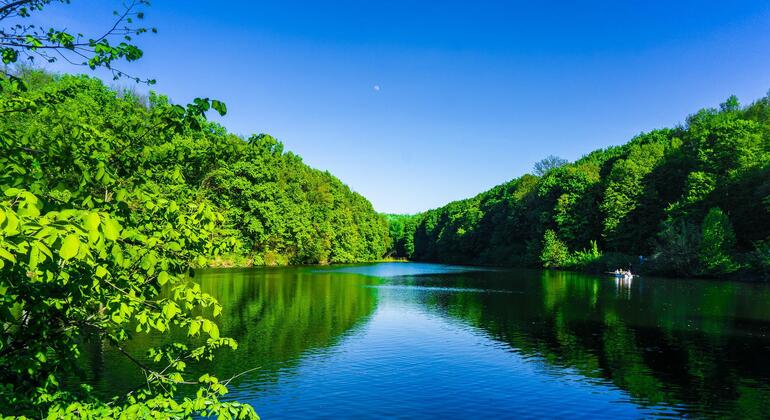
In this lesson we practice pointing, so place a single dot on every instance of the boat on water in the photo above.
(622, 275)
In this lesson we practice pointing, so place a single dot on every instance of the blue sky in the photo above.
(415, 104)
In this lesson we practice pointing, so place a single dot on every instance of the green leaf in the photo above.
(214, 333)
(101, 271)
(195, 326)
(69, 247)
(92, 222)
(170, 310)
(7, 255)
(117, 254)
(111, 229)
(12, 223)
(12, 192)
(162, 278)
(219, 106)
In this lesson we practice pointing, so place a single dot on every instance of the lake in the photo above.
(429, 340)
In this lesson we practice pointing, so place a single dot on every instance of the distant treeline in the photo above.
(83, 139)
(690, 200)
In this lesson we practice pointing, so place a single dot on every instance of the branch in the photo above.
(225, 383)
(11, 7)
(152, 372)
(117, 22)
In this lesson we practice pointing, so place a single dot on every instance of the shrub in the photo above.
(555, 252)
(717, 244)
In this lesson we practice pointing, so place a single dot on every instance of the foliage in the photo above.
(108, 200)
(283, 212)
(648, 197)
(584, 258)
(276, 209)
(27, 42)
(95, 246)
(760, 258)
(717, 243)
(555, 252)
(401, 229)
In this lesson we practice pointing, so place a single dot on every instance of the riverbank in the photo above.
(248, 262)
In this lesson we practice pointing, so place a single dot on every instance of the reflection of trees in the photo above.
(700, 344)
(695, 344)
(275, 315)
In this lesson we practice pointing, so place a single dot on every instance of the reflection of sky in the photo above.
(403, 269)
(453, 341)
(431, 289)
(410, 362)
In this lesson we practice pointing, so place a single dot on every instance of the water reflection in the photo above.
(623, 286)
(387, 338)
(276, 315)
(697, 346)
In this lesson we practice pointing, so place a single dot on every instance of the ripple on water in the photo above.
(422, 340)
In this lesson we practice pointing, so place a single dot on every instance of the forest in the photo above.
(275, 209)
(107, 196)
(693, 200)
(109, 199)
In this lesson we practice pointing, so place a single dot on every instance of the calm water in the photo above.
(426, 340)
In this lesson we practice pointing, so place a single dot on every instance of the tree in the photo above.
(547, 164)
(717, 243)
(555, 252)
(731, 104)
(87, 248)
(27, 42)
(647, 196)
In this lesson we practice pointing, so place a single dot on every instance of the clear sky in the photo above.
(418, 103)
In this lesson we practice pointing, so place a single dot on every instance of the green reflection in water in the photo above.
(698, 345)
(276, 315)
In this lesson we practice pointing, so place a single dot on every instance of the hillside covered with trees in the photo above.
(107, 199)
(692, 200)
(276, 209)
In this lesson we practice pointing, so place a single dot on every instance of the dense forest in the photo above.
(276, 209)
(401, 229)
(692, 200)
(108, 198)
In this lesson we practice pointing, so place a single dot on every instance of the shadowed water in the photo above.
(408, 339)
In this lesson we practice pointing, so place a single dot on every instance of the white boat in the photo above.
(623, 276)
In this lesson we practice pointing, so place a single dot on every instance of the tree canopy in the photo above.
(109, 198)
(691, 200)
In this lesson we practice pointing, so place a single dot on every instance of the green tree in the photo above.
(555, 252)
(94, 245)
(717, 243)
(647, 197)
(94, 225)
